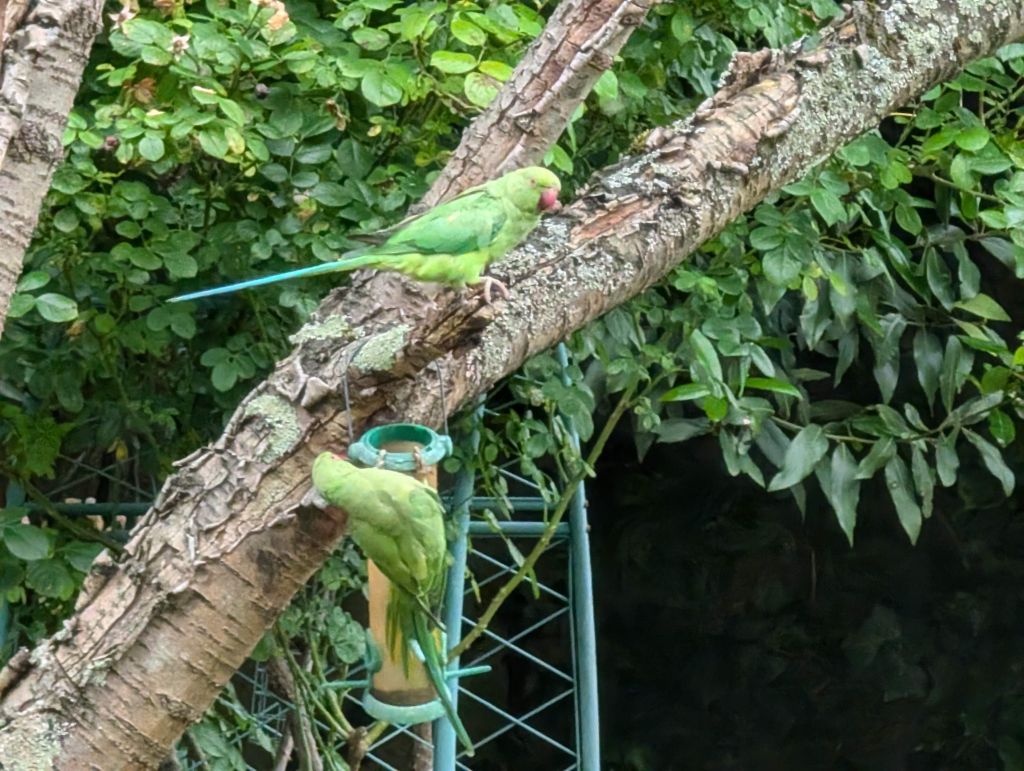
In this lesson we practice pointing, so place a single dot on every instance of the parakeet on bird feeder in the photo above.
(397, 518)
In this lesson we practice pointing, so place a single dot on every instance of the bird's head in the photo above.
(534, 189)
(329, 469)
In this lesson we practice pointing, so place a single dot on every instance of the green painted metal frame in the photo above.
(587, 753)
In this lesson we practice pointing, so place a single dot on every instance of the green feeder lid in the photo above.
(433, 447)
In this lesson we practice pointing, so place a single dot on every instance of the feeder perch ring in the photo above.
(402, 715)
(432, 447)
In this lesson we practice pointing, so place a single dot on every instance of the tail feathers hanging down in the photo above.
(407, 624)
(352, 262)
(434, 662)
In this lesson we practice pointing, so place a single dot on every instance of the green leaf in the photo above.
(81, 554)
(467, 32)
(380, 89)
(828, 205)
(415, 20)
(26, 542)
(881, 452)
(213, 356)
(993, 461)
(497, 70)
(807, 448)
(984, 306)
(183, 323)
(180, 265)
(49, 578)
(844, 489)
(128, 229)
(480, 89)
(781, 266)
(775, 385)
(452, 62)
(232, 111)
(371, 39)
(716, 408)
(1002, 428)
(681, 429)
(147, 32)
(946, 460)
(151, 147)
(330, 194)
(706, 355)
(65, 220)
(56, 307)
(558, 158)
(275, 172)
(314, 154)
(975, 410)
(607, 86)
(897, 480)
(887, 354)
(924, 479)
(908, 219)
(20, 305)
(766, 238)
(33, 280)
(1004, 250)
(145, 259)
(214, 142)
(928, 362)
(956, 363)
(972, 139)
(686, 392)
(939, 279)
(224, 376)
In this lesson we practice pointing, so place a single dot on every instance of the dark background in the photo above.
(733, 634)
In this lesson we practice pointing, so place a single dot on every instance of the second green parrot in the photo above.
(398, 522)
(450, 244)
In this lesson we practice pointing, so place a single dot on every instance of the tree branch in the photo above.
(41, 65)
(535, 104)
(229, 540)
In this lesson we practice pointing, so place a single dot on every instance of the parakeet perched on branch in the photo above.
(398, 522)
(450, 244)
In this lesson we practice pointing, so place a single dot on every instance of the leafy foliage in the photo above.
(891, 258)
(215, 140)
(853, 337)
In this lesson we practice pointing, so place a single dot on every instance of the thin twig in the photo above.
(624, 403)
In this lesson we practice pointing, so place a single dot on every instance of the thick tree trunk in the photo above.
(42, 56)
(229, 540)
(535, 104)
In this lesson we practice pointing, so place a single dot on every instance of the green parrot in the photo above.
(398, 522)
(450, 244)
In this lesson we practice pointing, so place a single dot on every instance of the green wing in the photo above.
(465, 224)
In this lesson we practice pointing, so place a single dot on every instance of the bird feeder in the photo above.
(398, 692)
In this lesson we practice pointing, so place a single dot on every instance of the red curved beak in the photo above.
(549, 200)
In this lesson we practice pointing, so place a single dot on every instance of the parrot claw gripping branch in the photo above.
(397, 519)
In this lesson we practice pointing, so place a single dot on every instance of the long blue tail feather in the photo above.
(349, 262)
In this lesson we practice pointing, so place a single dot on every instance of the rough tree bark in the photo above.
(579, 43)
(230, 540)
(42, 55)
